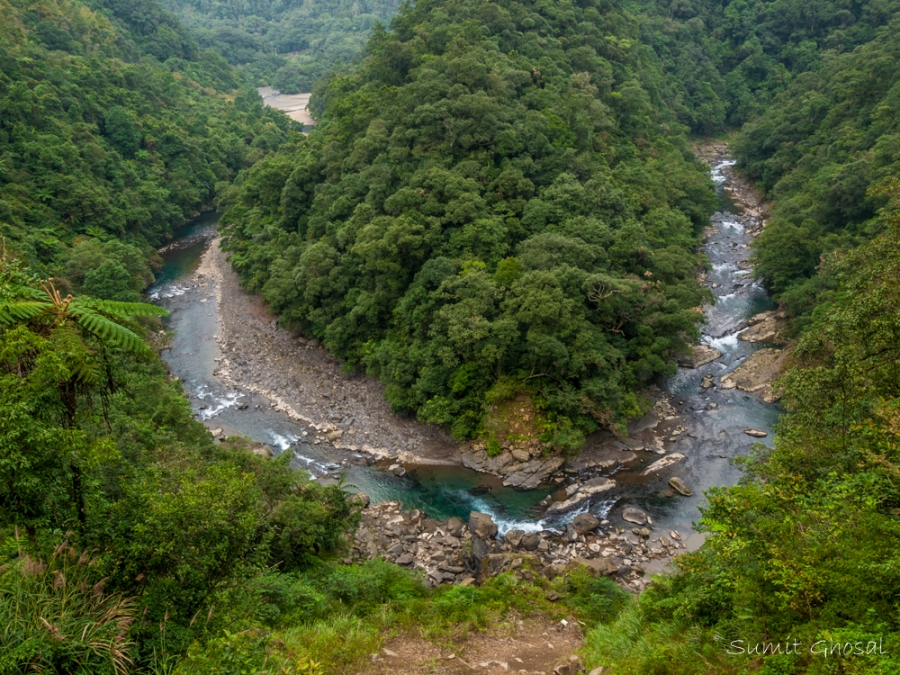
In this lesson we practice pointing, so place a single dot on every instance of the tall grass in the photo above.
(56, 617)
(633, 645)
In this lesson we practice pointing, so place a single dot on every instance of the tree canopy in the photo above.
(289, 45)
(495, 201)
(106, 148)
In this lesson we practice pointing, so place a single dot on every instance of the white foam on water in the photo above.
(557, 524)
(735, 225)
(726, 342)
(718, 173)
(219, 402)
(282, 441)
(313, 465)
(721, 267)
(167, 291)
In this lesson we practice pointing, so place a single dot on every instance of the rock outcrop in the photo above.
(520, 467)
(579, 493)
(700, 355)
(756, 374)
(767, 327)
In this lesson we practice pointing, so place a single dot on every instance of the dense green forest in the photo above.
(814, 86)
(289, 45)
(105, 150)
(495, 202)
(500, 200)
(807, 548)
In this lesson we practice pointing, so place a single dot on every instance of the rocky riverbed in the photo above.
(300, 378)
(458, 552)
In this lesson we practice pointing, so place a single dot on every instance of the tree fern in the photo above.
(108, 320)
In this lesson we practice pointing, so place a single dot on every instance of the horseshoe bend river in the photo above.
(712, 434)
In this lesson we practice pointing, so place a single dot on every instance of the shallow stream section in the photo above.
(712, 438)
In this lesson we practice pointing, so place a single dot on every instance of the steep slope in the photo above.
(100, 140)
(812, 83)
(289, 45)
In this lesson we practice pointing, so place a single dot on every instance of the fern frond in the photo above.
(111, 332)
(19, 292)
(121, 309)
(86, 371)
(17, 311)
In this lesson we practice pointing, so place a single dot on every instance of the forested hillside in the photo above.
(289, 45)
(815, 84)
(496, 202)
(798, 574)
(104, 149)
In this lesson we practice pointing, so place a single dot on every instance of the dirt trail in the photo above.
(533, 646)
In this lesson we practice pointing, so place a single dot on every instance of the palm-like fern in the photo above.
(109, 321)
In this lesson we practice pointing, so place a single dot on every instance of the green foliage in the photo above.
(599, 599)
(100, 140)
(57, 617)
(490, 203)
(823, 150)
(286, 45)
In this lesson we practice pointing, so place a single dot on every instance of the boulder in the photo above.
(405, 559)
(707, 382)
(455, 526)
(531, 541)
(634, 515)
(514, 538)
(756, 433)
(585, 522)
(482, 525)
(521, 455)
(587, 490)
(680, 486)
(661, 464)
(262, 451)
(480, 550)
(700, 355)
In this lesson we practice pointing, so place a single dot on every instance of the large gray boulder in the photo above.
(514, 537)
(634, 515)
(482, 525)
(585, 522)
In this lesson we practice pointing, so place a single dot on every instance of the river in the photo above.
(713, 435)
